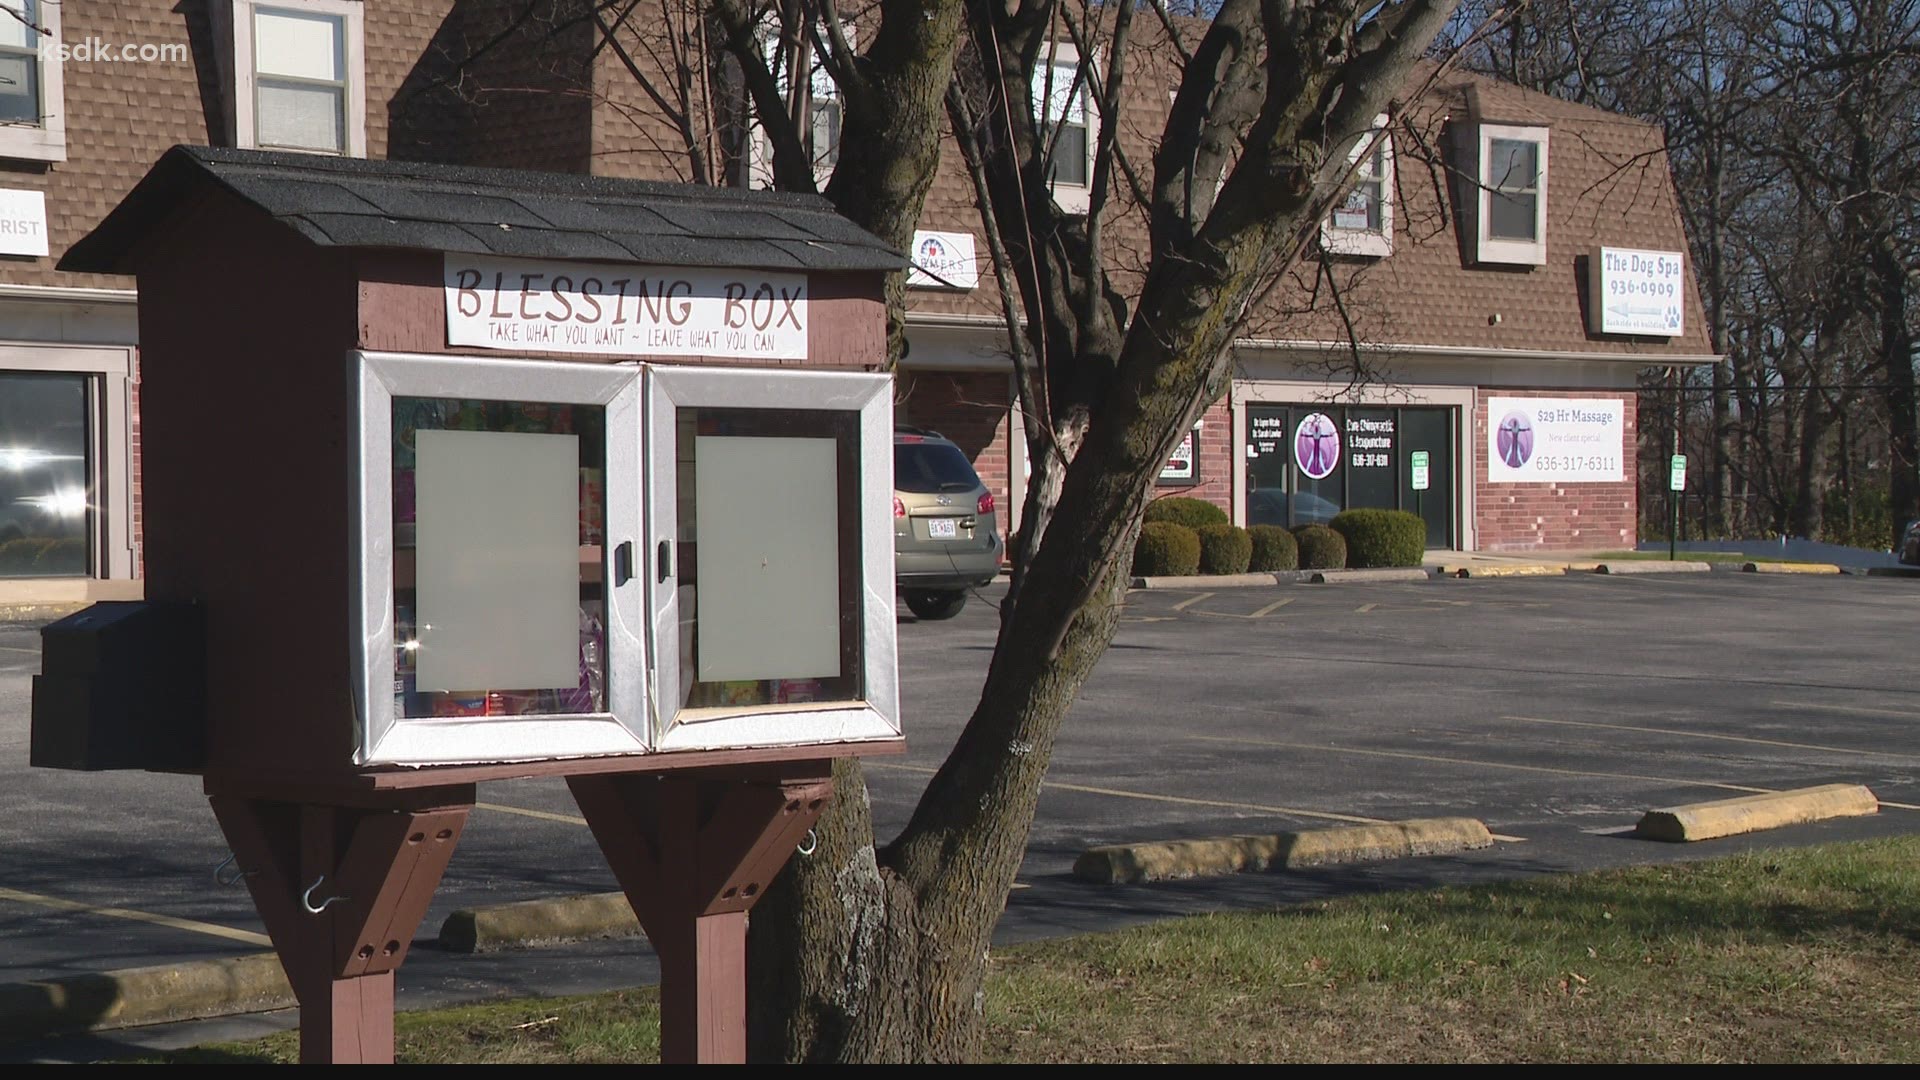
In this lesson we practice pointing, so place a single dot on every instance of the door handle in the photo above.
(663, 560)
(623, 563)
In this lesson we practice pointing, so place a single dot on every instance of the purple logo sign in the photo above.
(1514, 439)
(1316, 446)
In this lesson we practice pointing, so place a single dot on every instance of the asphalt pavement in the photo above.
(1554, 709)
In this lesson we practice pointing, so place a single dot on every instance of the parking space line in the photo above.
(1409, 756)
(1260, 614)
(1181, 800)
(1709, 735)
(543, 815)
(1148, 796)
(1905, 714)
(1192, 600)
(16, 648)
(191, 925)
(1517, 768)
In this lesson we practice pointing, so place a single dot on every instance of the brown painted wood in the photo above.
(693, 852)
(372, 871)
(347, 1021)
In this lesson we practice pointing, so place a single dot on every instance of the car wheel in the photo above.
(935, 604)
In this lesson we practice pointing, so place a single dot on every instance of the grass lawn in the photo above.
(1693, 556)
(1810, 954)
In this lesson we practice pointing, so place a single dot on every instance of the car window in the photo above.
(927, 467)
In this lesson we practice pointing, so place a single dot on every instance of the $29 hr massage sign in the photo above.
(1556, 440)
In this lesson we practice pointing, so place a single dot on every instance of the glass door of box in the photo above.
(771, 568)
(501, 615)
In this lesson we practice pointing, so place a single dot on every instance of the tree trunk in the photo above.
(1810, 471)
(1903, 415)
(879, 955)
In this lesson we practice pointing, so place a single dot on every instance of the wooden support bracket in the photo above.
(342, 889)
(693, 852)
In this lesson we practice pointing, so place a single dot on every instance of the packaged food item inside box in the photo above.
(593, 507)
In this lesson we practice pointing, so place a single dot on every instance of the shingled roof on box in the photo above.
(352, 202)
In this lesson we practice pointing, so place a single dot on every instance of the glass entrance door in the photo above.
(1429, 431)
(1306, 463)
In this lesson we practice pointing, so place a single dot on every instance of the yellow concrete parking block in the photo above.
(1754, 813)
(1126, 864)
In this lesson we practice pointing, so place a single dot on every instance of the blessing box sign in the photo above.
(625, 310)
(1555, 440)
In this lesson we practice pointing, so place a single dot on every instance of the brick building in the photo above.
(92, 92)
(1469, 264)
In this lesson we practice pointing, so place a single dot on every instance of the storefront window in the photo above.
(46, 502)
(1306, 463)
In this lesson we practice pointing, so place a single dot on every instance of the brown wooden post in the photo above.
(342, 890)
(693, 852)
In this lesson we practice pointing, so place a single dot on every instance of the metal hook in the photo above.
(229, 879)
(306, 898)
(811, 845)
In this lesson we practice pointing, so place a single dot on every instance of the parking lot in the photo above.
(1554, 709)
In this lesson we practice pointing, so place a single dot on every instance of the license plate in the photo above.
(943, 528)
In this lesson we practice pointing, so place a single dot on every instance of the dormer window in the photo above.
(1060, 98)
(1362, 223)
(825, 109)
(1509, 196)
(296, 75)
(32, 116)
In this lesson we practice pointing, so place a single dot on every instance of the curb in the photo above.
(1516, 570)
(1172, 860)
(1650, 566)
(1754, 813)
(1893, 571)
(40, 613)
(1789, 568)
(1201, 581)
(148, 995)
(1335, 577)
(535, 922)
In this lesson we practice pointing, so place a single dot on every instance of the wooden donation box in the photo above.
(453, 475)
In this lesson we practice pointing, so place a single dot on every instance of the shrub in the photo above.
(1273, 549)
(1182, 510)
(1320, 548)
(1166, 549)
(1224, 549)
(1382, 537)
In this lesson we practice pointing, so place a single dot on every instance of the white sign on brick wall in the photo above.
(1637, 292)
(1556, 440)
(23, 222)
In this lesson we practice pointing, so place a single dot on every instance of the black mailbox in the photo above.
(122, 686)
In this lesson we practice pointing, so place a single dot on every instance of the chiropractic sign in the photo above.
(618, 310)
(1555, 440)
